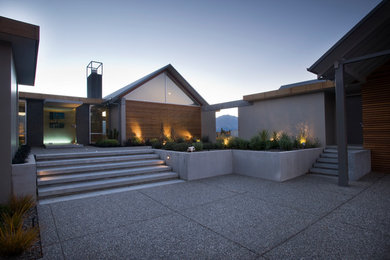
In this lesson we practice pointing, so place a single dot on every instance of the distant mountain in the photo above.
(227, 122)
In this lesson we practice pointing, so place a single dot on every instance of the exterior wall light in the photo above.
(168, 157)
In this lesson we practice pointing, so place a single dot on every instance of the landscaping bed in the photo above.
(19, 229)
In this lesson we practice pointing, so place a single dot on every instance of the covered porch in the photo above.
(359, 63)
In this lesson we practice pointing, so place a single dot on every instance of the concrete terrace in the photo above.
(226, 217)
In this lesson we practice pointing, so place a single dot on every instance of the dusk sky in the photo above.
(225, 49)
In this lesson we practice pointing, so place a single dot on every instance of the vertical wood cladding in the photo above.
(376, 118)
(145, 119)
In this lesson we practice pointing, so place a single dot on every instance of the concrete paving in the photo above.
(226, 217)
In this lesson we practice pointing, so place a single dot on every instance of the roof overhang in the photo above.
(57, 99)
(24, 39)
(57, 103)
(371, 35)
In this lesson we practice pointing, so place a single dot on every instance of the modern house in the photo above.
(18, 59)
(349, 104)
(162, 102)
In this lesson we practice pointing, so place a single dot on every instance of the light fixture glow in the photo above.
(22, 113)
(104, 114)
(168, 157)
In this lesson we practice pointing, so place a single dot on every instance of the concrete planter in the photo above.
(24, 178)
(276, 166)
(198, 165)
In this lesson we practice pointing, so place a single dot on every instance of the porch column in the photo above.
(341, 130)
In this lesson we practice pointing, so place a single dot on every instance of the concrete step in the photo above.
(327, 160)
(106, 192)
(326, 165)
(327, 150)
(76, 155)
(97, 167)
(350, 147)
(329, 155)
(106, 159)
(90, 176)
(67, 189)
(324, 171)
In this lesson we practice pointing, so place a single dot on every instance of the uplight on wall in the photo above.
(104, 114)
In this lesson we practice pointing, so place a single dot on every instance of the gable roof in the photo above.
(370, 35)
(186, 87)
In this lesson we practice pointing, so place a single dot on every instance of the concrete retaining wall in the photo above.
(24, 178)
(359, 163)
(199, 165)
(276, 166)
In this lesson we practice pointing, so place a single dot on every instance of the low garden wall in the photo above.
(359, 163)
(24, 178)
(276, 166)
(199, 165)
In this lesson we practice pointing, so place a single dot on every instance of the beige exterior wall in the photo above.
(209, 125)
(289, 114)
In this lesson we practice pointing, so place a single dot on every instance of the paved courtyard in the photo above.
(227, 217)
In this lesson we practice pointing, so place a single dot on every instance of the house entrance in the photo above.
(59, 125)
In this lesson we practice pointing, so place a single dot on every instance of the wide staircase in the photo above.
(72, 175)
(327, 163)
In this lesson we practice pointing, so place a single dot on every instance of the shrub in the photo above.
(312, 144)
(134, 141)
(180, 140)
(256, 144)
(155, 143)
(169, 145)
(180, 147)
(198, 146)
(107, 143)
(285, 142)
(237, 143)
(21, 154)
(219, 144)
(147, 142)
(274, 141)
(20, 205)
(260, 141)
(264, 135)
(14, 239)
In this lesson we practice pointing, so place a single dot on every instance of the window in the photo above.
(22, 122)
(161, 89)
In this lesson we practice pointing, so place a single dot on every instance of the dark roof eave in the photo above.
(324, 62)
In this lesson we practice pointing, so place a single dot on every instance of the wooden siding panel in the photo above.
(145, 119)
(376, 118)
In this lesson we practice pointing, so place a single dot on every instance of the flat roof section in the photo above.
(24, 39)
(319, 86)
